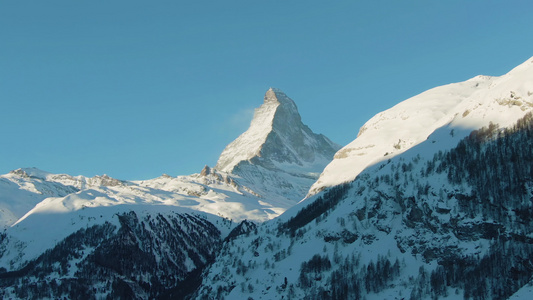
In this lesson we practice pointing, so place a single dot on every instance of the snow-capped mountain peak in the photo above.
(274, 95)
(249, 144)
(276, 136)
(278, 157)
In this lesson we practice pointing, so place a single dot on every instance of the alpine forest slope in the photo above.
(100, 237)
(445, 212)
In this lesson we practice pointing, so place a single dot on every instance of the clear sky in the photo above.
(135, 89)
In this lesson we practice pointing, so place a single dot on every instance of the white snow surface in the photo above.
(56, 218)
(525, 293)
(463, 106)
(37, 191)
(21, 190)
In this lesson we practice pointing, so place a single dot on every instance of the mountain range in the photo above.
(433, 199)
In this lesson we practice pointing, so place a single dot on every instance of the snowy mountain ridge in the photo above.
(462, 106)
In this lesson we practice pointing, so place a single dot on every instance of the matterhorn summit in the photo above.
(278, 149)
(278, 140)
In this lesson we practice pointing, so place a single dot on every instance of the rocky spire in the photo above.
(277, 136)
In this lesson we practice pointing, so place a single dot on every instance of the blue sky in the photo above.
(135, 89)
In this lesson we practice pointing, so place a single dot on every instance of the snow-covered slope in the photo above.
(64, 204)
(446, 214)
(22, 189)
(462, 106)
(526, 292)
(117, 252)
